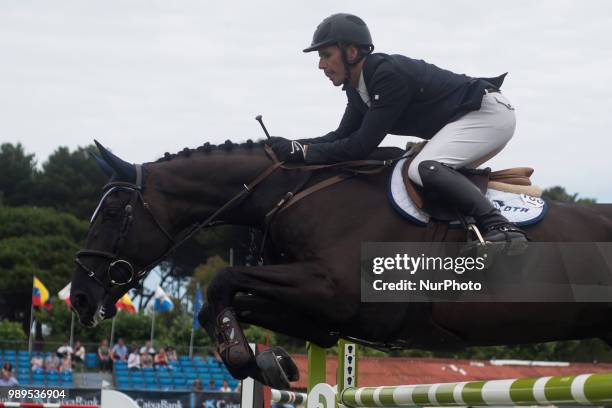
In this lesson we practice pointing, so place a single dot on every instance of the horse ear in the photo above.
(124, 170)
(108, 170)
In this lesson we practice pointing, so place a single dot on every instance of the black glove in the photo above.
(287, 150)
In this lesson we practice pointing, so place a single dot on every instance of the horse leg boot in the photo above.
(225, 331)
(457, 190)
(273, 367)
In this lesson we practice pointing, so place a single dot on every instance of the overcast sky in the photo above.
(146, 77)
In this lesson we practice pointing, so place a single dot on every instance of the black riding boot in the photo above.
(457, 190)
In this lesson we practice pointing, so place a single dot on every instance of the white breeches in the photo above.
(471, 140)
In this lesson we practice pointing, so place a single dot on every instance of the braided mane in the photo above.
(207, 147)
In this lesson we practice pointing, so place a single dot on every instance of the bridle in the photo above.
(114, 257)
(116, 261)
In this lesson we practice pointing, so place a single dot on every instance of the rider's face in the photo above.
(330, 61)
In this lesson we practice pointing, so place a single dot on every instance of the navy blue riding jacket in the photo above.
(407, 97)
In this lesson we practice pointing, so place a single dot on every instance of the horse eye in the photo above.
(111, 211)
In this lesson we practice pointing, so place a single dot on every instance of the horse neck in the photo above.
(191, 189)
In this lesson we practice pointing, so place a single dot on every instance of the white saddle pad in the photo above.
(520, 209)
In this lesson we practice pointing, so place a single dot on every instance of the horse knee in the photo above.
(220, 290)
(207, 320)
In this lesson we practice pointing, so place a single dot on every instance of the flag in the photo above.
(197, 305)
(162, 302)
(64, 294)
(40, 295)
(126, 304)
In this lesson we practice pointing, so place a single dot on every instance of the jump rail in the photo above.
(288, 397)
(583, 389)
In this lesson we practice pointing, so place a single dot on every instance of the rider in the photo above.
(467, 120)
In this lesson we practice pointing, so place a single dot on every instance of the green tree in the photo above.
(38, 241)
(558, 193)
(35, 242)
(11, 331)
(17, 172)
(70, 182)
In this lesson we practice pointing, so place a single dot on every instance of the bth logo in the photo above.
(501, 206)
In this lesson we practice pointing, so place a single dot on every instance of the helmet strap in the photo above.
(347, 65)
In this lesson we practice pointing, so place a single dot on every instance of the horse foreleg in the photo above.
(302, 286)
(284, 319)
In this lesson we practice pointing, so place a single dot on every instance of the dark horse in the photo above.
(312, 290)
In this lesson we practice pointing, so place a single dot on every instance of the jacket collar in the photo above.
(372, 62)
(369, 67)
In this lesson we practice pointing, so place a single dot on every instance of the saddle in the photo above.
(514, 180)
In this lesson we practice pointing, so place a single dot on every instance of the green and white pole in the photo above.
(321, 394)
(288, 397)
(584, 389)
(346, 376)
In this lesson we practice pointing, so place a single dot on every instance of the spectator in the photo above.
(147, 349)
(36, 363)
(79, 352)
(171, 352)
(65, 351)
(133, 362)
(119, 351)
(104, 356)
(211, 385)
(197, 398)
(146, 360)
(225, 387)
(66, 365)
(6, 377)
(161, 358)
(52, 362)
(238, 388)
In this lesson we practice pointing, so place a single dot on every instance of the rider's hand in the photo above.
(287, 150)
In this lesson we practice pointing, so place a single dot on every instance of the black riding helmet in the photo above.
(343, 29)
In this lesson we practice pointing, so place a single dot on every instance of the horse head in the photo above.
(123, 240)
(148, 210)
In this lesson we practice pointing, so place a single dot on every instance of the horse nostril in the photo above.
(79, 301)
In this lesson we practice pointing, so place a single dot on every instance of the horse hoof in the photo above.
(287, 364)
(277, 368)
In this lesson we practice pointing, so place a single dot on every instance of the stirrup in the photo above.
(487, 248)
(480, 248)
(474, 229)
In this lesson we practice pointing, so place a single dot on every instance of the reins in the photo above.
(351, 168)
